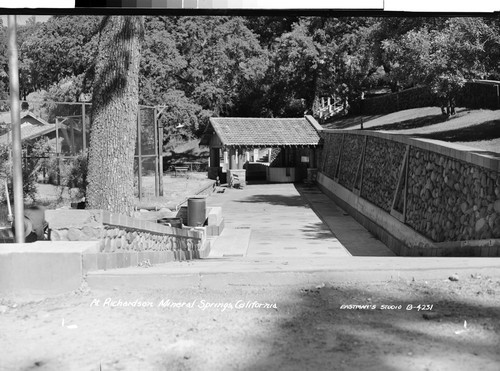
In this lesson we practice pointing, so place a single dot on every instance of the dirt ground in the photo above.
(309, 327)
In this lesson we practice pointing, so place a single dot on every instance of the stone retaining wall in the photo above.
(452, 200)
(381, 168)
(351, 155)
(444, 192)
(119, 233)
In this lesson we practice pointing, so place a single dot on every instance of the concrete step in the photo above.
(233, 242)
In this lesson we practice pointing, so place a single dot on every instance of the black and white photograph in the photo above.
(224, 185)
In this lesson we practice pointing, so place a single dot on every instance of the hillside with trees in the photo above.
(205, 66)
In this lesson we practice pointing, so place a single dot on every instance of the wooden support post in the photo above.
(84, 128)
(139, 153)
(241, 158)
(232, 158)
(72, 137)
(157, 162)
(160, 155)
(57, 153)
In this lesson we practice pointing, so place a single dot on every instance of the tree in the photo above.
(61, 48)
(161, 62)
(4, 63)
(115, 103)
(444, 59)
(296, 62)
(224, 61)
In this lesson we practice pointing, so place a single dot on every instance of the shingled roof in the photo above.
(263, 132)
(31, 127)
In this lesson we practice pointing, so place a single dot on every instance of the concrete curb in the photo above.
(216, 274)
(43, 266)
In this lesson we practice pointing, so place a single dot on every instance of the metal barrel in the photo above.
(197, 209)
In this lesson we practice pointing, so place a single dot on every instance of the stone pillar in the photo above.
(232, 159)
(241, 159)
(269, 152)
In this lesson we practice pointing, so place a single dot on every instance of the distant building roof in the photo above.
(263, 132)
(31, 127)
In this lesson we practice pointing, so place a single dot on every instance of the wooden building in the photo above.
(272, 149)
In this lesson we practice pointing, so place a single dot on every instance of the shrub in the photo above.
(31, 168)
(77, 173)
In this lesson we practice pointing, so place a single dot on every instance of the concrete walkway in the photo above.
(280, 234)
(284, 220)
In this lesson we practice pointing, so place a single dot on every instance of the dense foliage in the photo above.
(260, 66)
(31, 168)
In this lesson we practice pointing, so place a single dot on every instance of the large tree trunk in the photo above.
(115, 104)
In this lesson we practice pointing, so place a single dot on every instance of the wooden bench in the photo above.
(235, 181)
(182, 170)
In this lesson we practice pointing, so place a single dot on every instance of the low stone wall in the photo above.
(122, 234)
(444, 192)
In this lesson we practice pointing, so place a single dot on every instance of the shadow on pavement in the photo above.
(315, 231)
(276, 199)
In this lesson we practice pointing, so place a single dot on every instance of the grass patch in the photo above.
(474, 128)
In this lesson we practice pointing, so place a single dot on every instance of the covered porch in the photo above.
(272, 150)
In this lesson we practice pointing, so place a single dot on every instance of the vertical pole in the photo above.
(72, 134)
(232, 158)
(139, 152)
(211, 162)
(17, 170)
(84, 128)
(157, 177)
(57, 153)
(241, 158)
(161, 158)
(498, 96)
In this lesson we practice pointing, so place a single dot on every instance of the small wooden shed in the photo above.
(272, 149)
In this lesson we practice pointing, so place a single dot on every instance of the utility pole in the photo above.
(17, 171)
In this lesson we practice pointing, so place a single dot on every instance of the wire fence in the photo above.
(55, 134)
